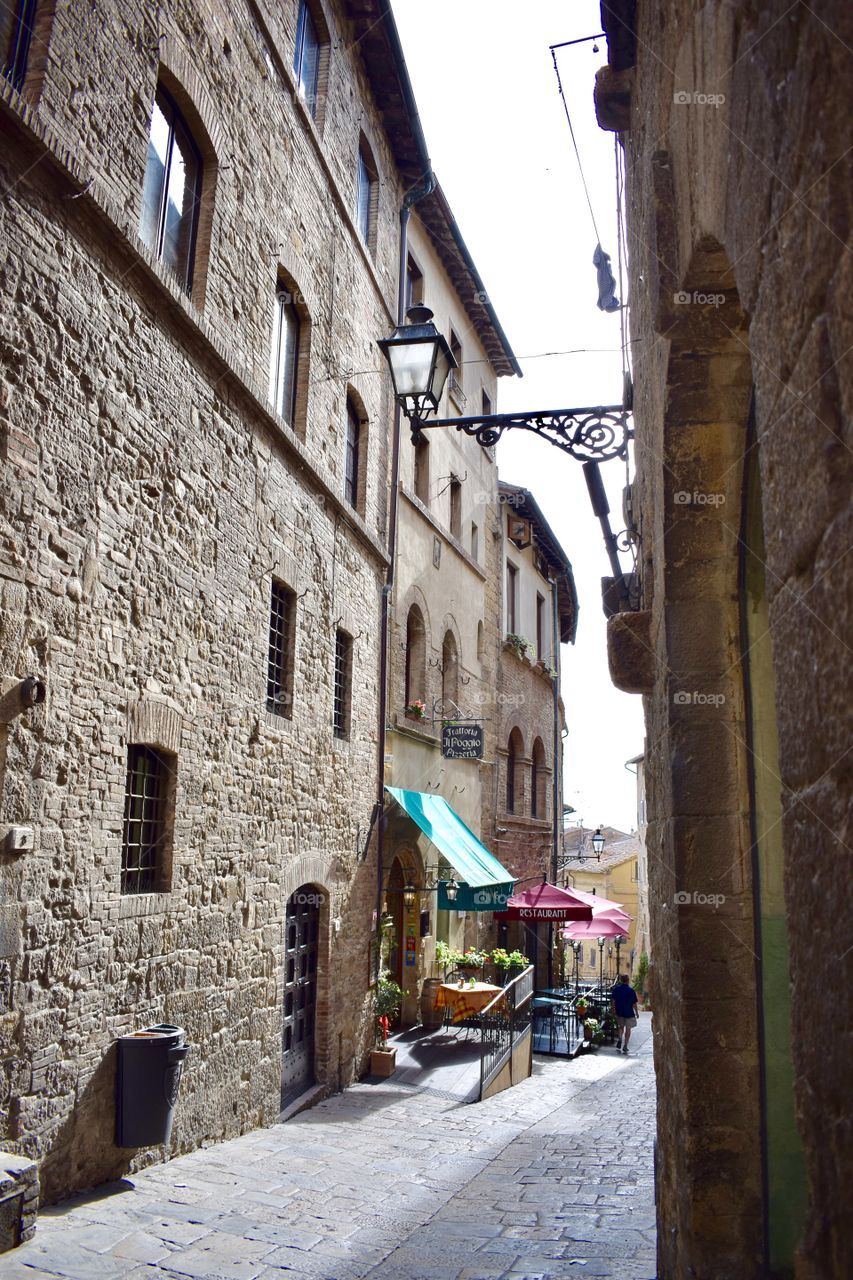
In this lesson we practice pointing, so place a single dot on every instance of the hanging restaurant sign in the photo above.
(462, 741)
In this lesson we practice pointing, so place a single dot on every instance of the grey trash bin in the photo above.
(150, 1063)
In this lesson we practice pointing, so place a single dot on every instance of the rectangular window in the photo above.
(475, 542)
(17, 21)
(414, 283)
(511, 599)
(146, 838)
(541, 629)
(365, 198)
(306, 58)
(343, 684)
(285, 356)
(280, 650)
(351, 460)
(422, 472)
(592, 956)
(172, 190)
(456, 508)
(486, 405)
(455, 380)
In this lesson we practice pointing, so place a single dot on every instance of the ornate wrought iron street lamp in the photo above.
(619, 941)
(598, 842)
(420, 360)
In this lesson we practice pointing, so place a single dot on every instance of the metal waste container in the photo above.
(150, 1063)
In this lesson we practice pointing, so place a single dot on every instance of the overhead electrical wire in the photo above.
(574, 140)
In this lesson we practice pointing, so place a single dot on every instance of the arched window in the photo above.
(415, 657)
(171, 194)
(449, 675)
(355, 454)
(514, 780)
(538, 789)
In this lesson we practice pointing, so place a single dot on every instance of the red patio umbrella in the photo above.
(546, 902)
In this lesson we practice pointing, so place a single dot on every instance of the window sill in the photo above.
(131, 905)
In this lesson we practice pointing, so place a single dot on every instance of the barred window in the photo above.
(280, 653)
(343, 684)
(147, 837)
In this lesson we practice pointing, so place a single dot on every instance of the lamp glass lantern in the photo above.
(451, 888)
(420, 359)
(598, 842)
(409, 894)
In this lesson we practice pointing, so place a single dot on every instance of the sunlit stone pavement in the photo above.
(552, 1178)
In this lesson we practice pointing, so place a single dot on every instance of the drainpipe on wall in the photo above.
(556, 777)
(412, 196)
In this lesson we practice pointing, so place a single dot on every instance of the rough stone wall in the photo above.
(739, 210)
(148, 496)
(525, 702)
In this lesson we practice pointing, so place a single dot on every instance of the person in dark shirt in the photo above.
(623, 1002)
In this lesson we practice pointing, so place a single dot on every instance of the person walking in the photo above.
(624, 1003)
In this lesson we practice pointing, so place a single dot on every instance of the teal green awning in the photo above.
(469, 858)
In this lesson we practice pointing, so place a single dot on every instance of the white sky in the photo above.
(501, 148)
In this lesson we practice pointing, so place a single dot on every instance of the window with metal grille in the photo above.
(353, 446)
(343, 684)
(280, 652)
(172, 190)
(17, 21)
(146, 840)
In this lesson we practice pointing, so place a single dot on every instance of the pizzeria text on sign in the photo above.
(462, 741)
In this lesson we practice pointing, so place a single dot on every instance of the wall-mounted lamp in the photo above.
(409, 894)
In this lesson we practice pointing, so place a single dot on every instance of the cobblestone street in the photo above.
(552, 1178)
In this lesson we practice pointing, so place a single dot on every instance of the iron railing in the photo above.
(502, 1023)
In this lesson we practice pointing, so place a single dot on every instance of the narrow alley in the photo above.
(551, 1178)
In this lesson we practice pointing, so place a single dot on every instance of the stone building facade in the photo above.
(738, 185)
(444, 634)
(538, 614)
(200, 236)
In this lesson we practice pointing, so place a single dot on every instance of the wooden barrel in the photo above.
(431, 1018)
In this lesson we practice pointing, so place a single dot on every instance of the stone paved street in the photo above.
(552, 1178)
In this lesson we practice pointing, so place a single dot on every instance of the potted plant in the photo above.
(387, 997)
(508, 964)
(520, 644)
(581, 1007)
(593, 1030)
(447, 957)
(416, 710)
(472, 959)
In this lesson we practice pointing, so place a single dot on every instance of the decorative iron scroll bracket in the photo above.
(589, 435)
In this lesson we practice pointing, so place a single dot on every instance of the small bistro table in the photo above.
(465, 1002)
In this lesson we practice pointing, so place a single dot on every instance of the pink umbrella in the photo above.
(608, 924)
